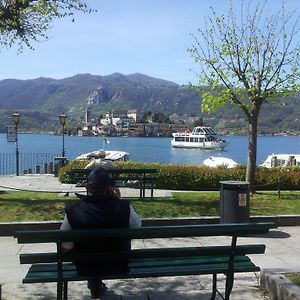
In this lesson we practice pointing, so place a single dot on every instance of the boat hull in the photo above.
(200, 145)
(219, 161)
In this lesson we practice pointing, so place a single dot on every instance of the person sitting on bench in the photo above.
(98, 161)
(100, 209)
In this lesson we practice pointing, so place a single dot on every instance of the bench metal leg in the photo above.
(59, 290)
(214, 287)
(229, 285)
(230, 273)
(151, 189)
(65, 290)
(141, 190)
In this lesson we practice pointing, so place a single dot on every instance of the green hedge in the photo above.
(203, 178)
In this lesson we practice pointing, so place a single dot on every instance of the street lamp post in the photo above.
(63, 120)
(16, 120)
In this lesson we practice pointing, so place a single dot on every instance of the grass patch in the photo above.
(295, 277)
(263, 203)
(29, 206)
(181, 205)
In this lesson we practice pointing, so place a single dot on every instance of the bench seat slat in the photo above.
(137, 263)
(184, 261)
(47, 273)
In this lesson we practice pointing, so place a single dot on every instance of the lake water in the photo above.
(151, 149)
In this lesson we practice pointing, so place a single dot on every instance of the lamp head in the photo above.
(16, 118)
(62, 119)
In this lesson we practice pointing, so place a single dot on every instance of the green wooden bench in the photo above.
(155, 262)
(146, 178)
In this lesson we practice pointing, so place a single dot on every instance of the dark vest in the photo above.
(100, 213)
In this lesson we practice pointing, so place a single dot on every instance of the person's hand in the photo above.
(114, 192)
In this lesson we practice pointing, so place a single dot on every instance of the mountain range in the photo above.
(41, 100)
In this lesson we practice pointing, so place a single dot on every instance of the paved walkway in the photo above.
(49, 183)
(282, 255)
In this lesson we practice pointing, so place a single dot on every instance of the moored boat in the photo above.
(219, 161)
(281, 160)
(201, 137)
(109, 155)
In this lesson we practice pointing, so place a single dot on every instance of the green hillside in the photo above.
(41, 100)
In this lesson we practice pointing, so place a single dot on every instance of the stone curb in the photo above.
(279, 286)
(9, 228)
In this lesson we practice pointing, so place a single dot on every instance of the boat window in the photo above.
(201, 130)
(191, 139)
(210, 130)
(196, 140)
(201, 140)
(211, 138)
(179, 139)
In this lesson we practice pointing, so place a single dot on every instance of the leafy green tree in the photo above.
(247, 60)
(151, 117)
(23, 21)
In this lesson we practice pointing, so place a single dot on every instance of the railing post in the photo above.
(17, 153)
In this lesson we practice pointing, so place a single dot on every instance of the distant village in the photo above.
(127, 123)
(124, 122)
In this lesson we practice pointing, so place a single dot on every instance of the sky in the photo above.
(124, 36)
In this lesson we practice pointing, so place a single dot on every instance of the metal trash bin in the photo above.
(234, 201)
(59, 162)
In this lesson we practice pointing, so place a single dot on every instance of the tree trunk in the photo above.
(252, 149)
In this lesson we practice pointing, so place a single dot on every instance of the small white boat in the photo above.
(281, 160)
(217, 161)
(201, 137)
(109, 155)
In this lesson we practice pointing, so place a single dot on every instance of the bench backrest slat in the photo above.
(238, 229)
(146, 253)
(84, 172)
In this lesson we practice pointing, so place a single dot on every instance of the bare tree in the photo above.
(247, 59)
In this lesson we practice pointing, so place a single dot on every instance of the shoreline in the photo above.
(283, 134)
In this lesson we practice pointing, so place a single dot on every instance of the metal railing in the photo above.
(29, 163)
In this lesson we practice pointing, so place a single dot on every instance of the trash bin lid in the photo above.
(234, 184)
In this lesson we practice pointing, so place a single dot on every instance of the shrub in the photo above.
(64, 174)
(203, 178)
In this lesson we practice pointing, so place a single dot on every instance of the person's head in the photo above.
(101, 154)
(99, 182)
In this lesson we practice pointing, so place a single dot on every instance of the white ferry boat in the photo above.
(201, 137)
